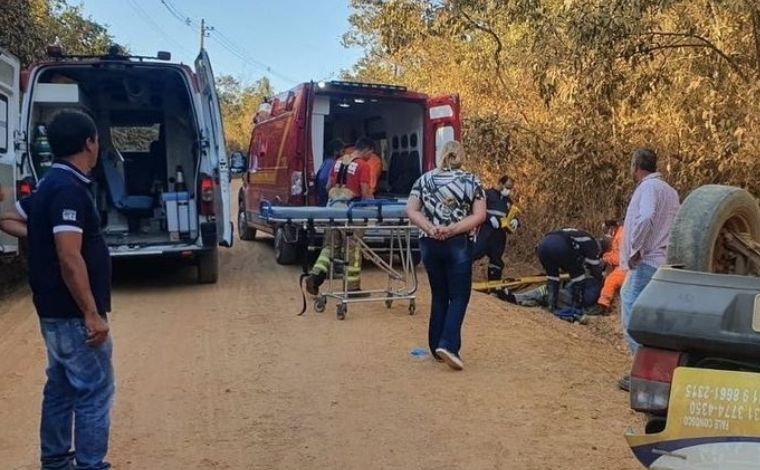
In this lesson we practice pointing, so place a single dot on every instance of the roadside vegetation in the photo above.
(558, 92)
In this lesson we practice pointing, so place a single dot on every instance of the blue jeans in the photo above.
(449, 268)
(635, 282)
(78, 395)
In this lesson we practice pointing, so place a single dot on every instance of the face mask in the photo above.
(506, 192)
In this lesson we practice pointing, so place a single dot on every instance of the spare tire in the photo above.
(707, 214)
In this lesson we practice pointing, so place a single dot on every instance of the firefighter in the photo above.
(333, 153)
(366, 147)
(616, 276)
(492, 237)
(574, 252)
(349, 181)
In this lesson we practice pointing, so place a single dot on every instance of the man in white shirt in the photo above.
(650, 215)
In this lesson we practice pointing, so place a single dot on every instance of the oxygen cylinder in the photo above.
(41, 152)
(179, 181)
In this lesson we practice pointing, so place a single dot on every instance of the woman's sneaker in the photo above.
(451, 359)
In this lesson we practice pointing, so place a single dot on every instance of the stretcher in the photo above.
(514, 284)
(383, 217)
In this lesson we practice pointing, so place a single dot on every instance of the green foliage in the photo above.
(239, 104)
(559, 92)
(27, 27)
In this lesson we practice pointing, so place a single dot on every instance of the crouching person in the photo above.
(574, 252)
(349, 181)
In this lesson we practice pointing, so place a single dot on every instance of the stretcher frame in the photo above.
(514, 284)
(401, 276)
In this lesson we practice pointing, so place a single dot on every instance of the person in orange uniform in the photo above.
(616, 277)
(366, 148)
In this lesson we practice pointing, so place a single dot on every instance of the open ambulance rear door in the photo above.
(10, 96)
(213, 147)
(442, 124)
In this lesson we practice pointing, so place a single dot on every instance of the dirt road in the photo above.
(227, 377)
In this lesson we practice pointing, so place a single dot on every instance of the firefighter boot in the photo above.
(552, 294)
(313, 281)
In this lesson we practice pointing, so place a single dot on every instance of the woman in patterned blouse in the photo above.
(447, 204)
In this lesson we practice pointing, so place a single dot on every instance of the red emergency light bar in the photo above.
(366, 86)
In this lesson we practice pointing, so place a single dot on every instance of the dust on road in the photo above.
(227, 377)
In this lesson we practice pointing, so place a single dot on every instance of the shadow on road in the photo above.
(153, 273)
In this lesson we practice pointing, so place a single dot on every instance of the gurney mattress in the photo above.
(335, 214)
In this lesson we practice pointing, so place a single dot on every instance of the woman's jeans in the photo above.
(449, 268)
(78, 395)
(635, 282)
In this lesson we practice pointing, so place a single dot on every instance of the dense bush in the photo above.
(559, 92)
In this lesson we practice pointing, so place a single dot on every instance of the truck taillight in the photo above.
(24, 189)
(206, 191)
(651, 376)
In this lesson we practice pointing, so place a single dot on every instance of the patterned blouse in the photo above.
(447, 196)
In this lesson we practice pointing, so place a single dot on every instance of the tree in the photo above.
(27, 27)
(558, 92)
(238, 105)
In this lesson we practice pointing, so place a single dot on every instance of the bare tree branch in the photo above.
(494, 36)
(755, 13)
(496, 54)
(703, 42)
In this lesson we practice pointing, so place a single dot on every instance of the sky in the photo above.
(290, 41)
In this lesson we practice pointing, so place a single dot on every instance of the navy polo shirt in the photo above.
(64, 203)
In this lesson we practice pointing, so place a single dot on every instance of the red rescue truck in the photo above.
(292, 131)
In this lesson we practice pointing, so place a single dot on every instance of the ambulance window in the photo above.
(3, 124)
(6, 74)
(135, 139)
(443, 134)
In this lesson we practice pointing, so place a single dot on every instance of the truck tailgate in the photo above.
(699, 312)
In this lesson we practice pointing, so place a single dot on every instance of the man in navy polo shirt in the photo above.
(70, 276)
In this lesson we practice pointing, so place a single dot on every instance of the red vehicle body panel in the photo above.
(280, 144)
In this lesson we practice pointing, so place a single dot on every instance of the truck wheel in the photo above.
(706, 218)
(285, 250)
(208, 267)
(244, 231)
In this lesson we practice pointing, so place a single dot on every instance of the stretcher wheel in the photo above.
(320, 303)
(412, 307)
(341, 311)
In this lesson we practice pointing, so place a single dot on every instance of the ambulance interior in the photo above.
(395, 126)
(147, 132)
